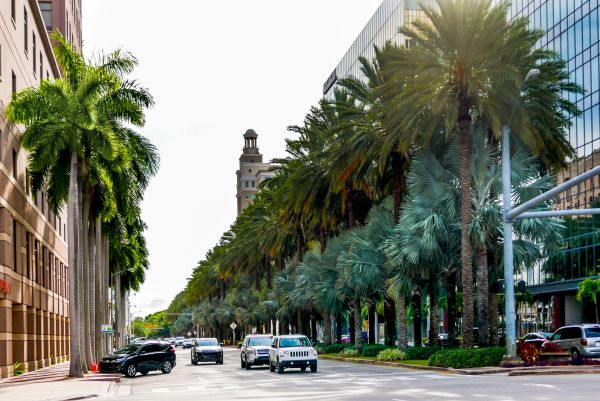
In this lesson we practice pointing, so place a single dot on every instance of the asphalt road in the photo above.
(345, 381)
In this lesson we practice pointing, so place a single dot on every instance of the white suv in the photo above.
(292, 351)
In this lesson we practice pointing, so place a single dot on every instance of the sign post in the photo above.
(233, 326)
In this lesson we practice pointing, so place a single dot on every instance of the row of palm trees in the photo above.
(391, 191)
(85, 153)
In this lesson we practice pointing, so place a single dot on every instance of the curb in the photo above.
(554, 372)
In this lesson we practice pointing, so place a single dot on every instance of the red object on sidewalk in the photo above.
(95, 367)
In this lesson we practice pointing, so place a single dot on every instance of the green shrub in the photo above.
(373, 349)
(421, 352)
(467, 358)
(349, 352)
(332, 348)
(391, 354)
(18, 369)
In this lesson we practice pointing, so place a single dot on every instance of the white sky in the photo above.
(216, 68)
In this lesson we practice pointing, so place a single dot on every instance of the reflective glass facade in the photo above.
(572, 30)
(382, 27)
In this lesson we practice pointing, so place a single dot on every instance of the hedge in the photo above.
(373, 349)
(421, 352)
(332, 348)
(467, 358)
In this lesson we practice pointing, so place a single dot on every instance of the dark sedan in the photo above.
(206, 350)
(536, 339)
(141, 358)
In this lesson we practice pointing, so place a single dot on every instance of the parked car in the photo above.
(255, 350)
(536, 339)
(442, 340)
(187, 343)
(292, 351)
(141, 358)
(346, 339)
(139, 340)
(179, 341)
(582, 340)
(171, 341)
(206, 350)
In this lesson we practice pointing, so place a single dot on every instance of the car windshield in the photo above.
(207, 342)
(130, 349)
(253, 341)
(546, 334)
(294, 342)
(592, 332)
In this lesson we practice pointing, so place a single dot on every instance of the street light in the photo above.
(509, 285)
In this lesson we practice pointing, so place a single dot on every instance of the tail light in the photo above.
(583, 341)
(171, 349)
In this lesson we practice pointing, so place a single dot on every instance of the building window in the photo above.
(26, 33)
(13, 10)
(59, 226)
(27, 256)
(14, 240)
(14, 83)
(253, 184)
(247, 184)
(34, 48)
(14, 152)
(27, 182)
(46, 9)
(246, 197)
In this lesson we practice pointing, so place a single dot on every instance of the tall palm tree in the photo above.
(469, 64)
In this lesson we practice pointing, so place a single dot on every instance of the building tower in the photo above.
(252, 171)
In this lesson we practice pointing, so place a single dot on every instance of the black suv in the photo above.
(141, 358)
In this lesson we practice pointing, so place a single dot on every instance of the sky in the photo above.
(215, 69)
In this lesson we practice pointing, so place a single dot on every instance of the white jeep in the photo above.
(292, 351)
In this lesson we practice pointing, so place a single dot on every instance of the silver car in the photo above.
(255, 350)
(582, 340)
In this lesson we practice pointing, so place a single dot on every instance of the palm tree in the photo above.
(469, 64)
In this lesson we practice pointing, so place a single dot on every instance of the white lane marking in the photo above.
(160, 390)
(196, 388)
(540, 385)
(202, 379)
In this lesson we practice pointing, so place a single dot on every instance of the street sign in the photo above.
(106, 328)
(233, 326)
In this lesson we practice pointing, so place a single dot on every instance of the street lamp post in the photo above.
(509, 271)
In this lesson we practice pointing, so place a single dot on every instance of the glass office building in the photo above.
(572, 30)
(382, 27)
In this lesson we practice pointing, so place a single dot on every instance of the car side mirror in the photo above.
(221, 344)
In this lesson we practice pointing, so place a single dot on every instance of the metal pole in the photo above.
(509, 286)
(557, 213)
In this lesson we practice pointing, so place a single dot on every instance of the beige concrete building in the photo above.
(33, 247)
(252, 171)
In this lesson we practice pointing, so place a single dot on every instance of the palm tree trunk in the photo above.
(327, 328)
(357, 324)
(351, 325)
(401, 320)
(494, 317)
(82, 244)
(322, 237)
(349, 205)
(98, 310)
(106, 283)
(92, 279)
(466, 255)
(313, 329)
(299, 240)
(75, 369)
(417, 321)
(433, 313)
(372, 311)
(85, 221)
(338, 327)
(451, 296)
(117, 304)
(389, 312)
(268, 272)
(482, 297)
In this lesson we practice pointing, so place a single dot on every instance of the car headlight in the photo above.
(286, 353)
(314, 352)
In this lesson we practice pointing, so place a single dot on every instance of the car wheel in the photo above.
(271, 366)
(194, 360)
(248, 365)
(279, 368)
(242, 363)
(144, 373)
(167, 366)
(575, 354)
(313, 369)
(130, 370)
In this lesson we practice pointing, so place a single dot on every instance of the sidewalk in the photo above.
(53, 384)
